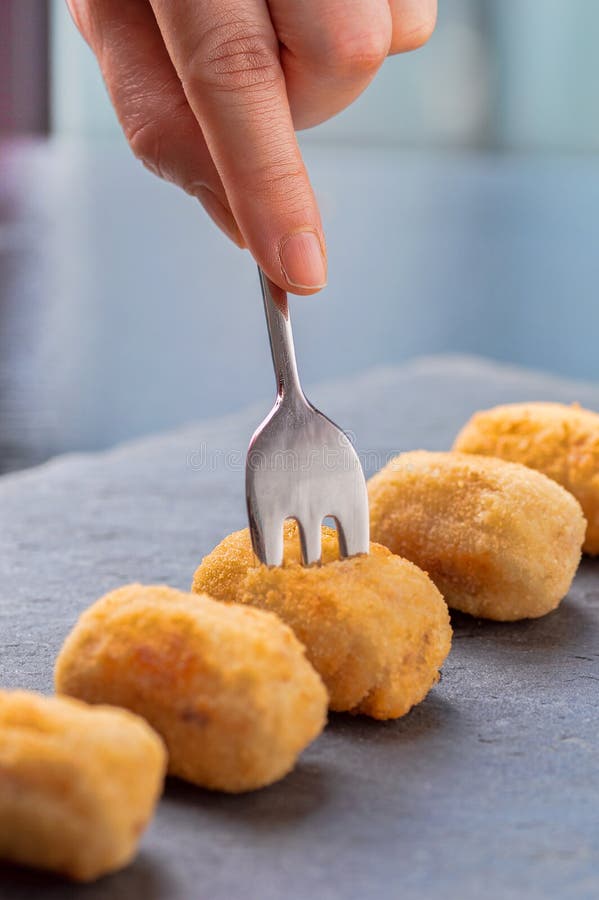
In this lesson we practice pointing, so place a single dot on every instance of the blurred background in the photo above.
(460, 197)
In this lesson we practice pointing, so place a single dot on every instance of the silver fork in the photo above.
(299, 464)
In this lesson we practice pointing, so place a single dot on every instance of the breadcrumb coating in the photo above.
(228, 688)
(500, 540)
(560, 441)
(78, 784)
(375, 627)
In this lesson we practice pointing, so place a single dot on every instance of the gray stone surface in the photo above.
(490, 788)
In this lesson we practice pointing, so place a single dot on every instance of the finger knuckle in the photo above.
(145, 139)
(233, 57)
(281, 182)
(355, 47)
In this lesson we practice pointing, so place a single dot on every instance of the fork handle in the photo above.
(280, 335)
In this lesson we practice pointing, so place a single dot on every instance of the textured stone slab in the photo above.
(490, 788)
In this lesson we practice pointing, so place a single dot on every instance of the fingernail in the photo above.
(220, 215)
(302, 260)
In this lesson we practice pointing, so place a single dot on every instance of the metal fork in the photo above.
(299, 464)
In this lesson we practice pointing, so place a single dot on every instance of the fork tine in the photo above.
(272, 536)
(271, 542)
(310, 540)
(353, 536)
(266, 533)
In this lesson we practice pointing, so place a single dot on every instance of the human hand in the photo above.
(209, 93)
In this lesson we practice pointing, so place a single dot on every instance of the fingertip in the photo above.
(305, 292)
(413, 24)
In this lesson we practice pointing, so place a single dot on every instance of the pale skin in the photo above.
(209, 94)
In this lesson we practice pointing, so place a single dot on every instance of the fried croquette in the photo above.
(374, 626)
(560, 441)
(78, 784)
(499, 540)
(228, 688)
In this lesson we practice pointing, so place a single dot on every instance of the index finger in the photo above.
(226, 55)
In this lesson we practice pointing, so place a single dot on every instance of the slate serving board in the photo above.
(490, 788)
